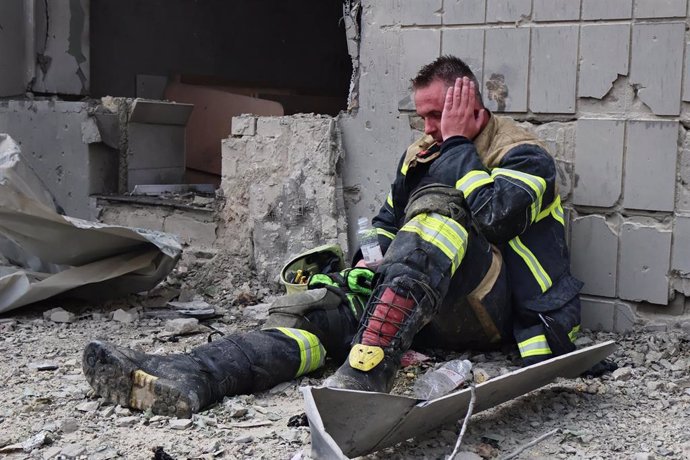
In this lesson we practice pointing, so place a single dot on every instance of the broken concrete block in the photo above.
(645, 253)
(507, 10)
(463, 12)
(598, 162)
(622, 373)
(89, 131)
(656, 65)
(506, 65)
(243, 126)
(597, 314)
(125, 316)
(269, 126)
(421, 12)
(600, 65)
(650, 165)
(553, 69)
(182, 326)
(59, 315)
(609, 9)
(681, 244)
(624, 318)
(660, 8)
(467, 44)
(556, 10)
(594, 255)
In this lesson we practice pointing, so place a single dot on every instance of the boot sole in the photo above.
(119, 380)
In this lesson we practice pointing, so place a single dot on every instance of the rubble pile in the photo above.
(47, 410)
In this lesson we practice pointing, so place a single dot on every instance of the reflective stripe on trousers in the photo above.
(312, 353)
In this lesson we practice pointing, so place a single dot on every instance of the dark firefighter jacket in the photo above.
(509, 182)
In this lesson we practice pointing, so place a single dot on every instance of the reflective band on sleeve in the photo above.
(554, 210)
(386, 233)
(404, 168)
(538, 345)
(557, 213)
(535, 346)
(389, 199)
(443, 232)
(312, 353)
(536, 183)
(530, 259)
(472, 181)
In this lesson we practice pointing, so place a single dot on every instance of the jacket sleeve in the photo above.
(505, 200)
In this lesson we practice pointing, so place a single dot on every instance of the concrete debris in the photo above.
(44, 366)
(125, 316)
(623, 374)
(182, 326)
(29, 444)
(69, 425)
(180, 424)
(127, 421)
(90, 406)
(59, 315)
(72, 451)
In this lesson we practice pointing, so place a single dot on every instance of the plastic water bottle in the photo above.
(369, 243)
(441, 381)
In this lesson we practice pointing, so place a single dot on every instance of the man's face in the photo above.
(429, 102)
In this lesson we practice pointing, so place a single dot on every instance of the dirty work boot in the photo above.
(396, 312)
(172, 385)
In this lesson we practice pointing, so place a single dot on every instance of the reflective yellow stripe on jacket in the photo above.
(554, 210)
(539, 346)
(312, 353)
(386, 233)
(472, 181)
(533, 264)
(443, 232)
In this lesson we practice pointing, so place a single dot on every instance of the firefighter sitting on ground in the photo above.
(474, 256)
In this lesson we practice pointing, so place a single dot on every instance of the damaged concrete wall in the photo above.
(15, 46)
(604, 83)
(62, 143)
(282, 190)
(62, 47)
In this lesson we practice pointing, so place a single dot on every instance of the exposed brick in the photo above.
(594, 255)
(597, 314)
(467, 44)
(553, 69)
(556, 10)
(420, 12)
(660, 8)
(464, 12)
(657, 65)
(650, 165)
(598, 162)
(505, 69)
(645, 253)
(608, 9)
(507, 10)
(681, 244)
(601, 65)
